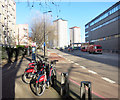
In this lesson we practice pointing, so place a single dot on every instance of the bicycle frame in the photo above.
(43, 77)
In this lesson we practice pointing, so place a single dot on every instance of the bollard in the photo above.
(83, 90)
(64, 85)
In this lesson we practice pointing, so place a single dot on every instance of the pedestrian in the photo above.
(33, 53)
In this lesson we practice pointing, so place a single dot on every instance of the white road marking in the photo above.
(83, 67)
(60, 55)
(92, 71)
(68, 60)
(108, 80)
(72, 61)
(76, 64)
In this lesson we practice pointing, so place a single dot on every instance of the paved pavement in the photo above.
(14, 87)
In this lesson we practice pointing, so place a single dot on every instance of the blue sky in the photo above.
(76, 13)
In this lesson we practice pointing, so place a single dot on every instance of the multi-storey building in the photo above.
(61, 33)
(7, 22)
(75, 36)
(104, 29)
(22, 36)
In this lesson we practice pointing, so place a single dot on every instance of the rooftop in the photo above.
(59, 19)
(74, 27)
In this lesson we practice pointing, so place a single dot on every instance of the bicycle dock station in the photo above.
(63, 86)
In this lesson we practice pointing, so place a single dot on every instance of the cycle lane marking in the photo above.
(108, 80)
(100, 96)
(72, 61)
(76, 64)
(93, 72)
(83, 67)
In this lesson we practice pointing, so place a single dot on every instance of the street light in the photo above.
(44, 30)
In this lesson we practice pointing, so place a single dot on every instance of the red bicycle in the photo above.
(32, 68)
(41, 81)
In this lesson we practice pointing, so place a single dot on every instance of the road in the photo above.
(105, 65)
(98, 69)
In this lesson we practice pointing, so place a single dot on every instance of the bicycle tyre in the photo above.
(42, 89)
(25, 77)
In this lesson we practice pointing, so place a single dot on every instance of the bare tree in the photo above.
(39, 25)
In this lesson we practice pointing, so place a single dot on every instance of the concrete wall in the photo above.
(61, 31)
(22, 35)
(8, 21)
(75, 35)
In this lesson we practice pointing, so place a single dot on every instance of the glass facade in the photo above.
(106, 14)
(110, 21)
(86, 32)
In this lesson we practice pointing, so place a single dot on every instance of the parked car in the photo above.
(83, 48)
(66, 48)
(61, 49)
(76, 48)
(70, 49)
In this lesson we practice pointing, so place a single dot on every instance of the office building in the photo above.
(104, 30)
(7, 22)
(75, 36)
(61, 33)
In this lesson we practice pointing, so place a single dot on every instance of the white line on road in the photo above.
(107, 79)
(68, 60)
(72, 61)
(83, 67)
(60, 55)
(76, 64)
(92, 71)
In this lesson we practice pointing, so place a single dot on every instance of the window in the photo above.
(86, 32)
(86, 35)
(105, 15)
(5, 2)
(119, 6)
(98, 47)
(2, 8)
(86, 26)
(110, 21)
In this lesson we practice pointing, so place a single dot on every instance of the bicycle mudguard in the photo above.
(41, 78)
(31, 69)
(31, 64)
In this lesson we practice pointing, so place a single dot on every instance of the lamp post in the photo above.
(44, 30)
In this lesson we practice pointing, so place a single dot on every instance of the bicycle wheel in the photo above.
(39, 89)
(33, 85)
(27, 77)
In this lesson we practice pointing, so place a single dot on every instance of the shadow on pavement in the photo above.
(8, 79)
(72, 94)
(85, 55)
(28, 58)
